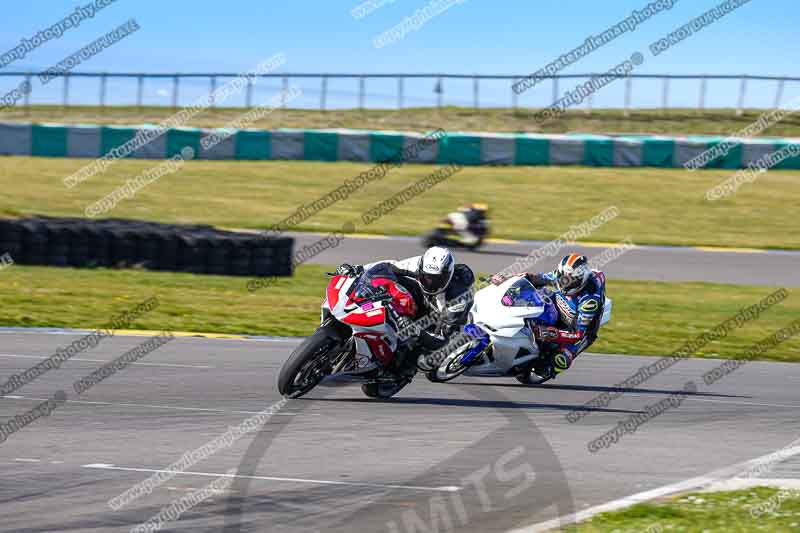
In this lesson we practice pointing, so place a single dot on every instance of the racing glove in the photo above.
(553, 334)
(497, 279)
(546, 333)
(346, 269)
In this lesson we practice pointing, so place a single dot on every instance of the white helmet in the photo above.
(436, 268)
(573, 274)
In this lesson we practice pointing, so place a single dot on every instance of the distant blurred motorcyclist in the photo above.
(467, 227)
(466, 222)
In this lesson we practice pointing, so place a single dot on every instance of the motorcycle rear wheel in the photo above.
(433, 238)
(306, 367)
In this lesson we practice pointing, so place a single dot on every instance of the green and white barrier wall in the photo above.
(91, 141)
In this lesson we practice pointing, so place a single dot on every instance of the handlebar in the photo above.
(385, 297)
(332, 274)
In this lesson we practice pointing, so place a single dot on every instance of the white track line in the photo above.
(104, 361)
(172, 407)
(105, 466)
(682, 486)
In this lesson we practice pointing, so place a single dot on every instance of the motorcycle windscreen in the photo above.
(363, 288)
(522, 294)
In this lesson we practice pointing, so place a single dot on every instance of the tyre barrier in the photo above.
(122, 243)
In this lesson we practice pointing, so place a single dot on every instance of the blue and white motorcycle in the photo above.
(500, 338)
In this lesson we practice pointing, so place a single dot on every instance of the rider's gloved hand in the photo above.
(546, 332)
(346, 269)
(497, 279)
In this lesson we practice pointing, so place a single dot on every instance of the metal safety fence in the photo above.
(429, 90)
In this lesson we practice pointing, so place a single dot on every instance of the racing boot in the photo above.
(404, 362)
(562, 360)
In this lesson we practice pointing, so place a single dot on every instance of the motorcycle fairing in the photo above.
(508, 325)
(373, 336)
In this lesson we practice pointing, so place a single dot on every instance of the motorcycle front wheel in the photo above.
(451, 367)
(308, 364)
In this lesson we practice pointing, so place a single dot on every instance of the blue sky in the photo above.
(474, 36)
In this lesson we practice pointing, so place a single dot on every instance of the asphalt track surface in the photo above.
(336, 461)
(657, 263)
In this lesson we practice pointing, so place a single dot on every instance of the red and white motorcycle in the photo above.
(357, 325)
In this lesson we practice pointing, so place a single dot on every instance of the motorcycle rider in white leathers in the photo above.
(428, 278)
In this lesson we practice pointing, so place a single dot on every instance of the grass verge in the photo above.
(657, 206)
(656, 121)
(649, 317)
(707, 512)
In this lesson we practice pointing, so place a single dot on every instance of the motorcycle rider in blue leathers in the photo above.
(579, 295)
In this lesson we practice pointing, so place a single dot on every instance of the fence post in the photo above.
(249, 93)
(475, 93)
(103, 78)
(626, 106)
(323, 93)
(628, 91)
(28, 95)
(665, 96)
(513, 98)
(284, 97)
(779, 94)
(702, 103)
(139, 90)
(440, 92)
(589, 103)
(285, 84)
(65, 94)
(742, 90)
(400, 92)
(175, 84)
(361, 92)
(555, 89)
(212, 98)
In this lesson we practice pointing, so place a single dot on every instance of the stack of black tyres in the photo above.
(10, 238)
(121, 243)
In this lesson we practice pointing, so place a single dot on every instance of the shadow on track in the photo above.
(598, 388)
(485, 404)
(491, 494)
